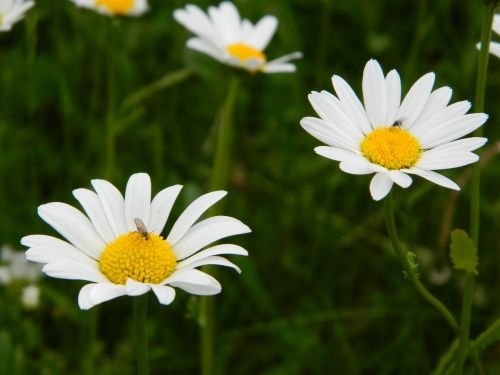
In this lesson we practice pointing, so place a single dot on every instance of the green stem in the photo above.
(110, 116)
(410, 273)
(488, 12)
(220, 173)
(141, 340)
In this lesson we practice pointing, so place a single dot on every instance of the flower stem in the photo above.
(410, 272)
(220, 173)
(488, 12)
(110, 116)
(141, 340)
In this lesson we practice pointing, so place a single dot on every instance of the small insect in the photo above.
(398, 123)
(141, 228)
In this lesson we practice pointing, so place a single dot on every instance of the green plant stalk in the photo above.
(141, 340)
(410, 273)
(488, 12)
(220, 173)
(168, 80)
(110, 116)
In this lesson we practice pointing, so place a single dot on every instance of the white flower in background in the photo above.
(12, 11)
(494, 46)
(30, 296)
(15, 268)
(392, 138)
(115, 7)
(223, 35)
(119, 249)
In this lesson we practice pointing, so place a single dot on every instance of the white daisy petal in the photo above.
(438, 100)
(461, 145)
(284, 59)
(453, 129)
(165, 294)
(351, 104)
(224, 249)
(327, 133)
(446, 160)
(262, 33)
(113, 204)
(74, 226)
(137, 200)
(400, 178)
(161, 207)
(196, 21)
(375, 94)
(94, 294)
(219, 261)
(393, 86)
(337, 154)
(206, 232)
(380, 186)
(134, 288)
(204, 46)
(440, 119)
(195, 282)
(13, 11)
(356, 167)
(434, 177)
(495, 48)
(73, 270)
(93, 208)
(48, 254)
(415, 100)
(193, 213)
(279, 68)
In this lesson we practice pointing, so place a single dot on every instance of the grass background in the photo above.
(321, 291)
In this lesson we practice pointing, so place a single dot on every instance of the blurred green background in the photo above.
(321, 291)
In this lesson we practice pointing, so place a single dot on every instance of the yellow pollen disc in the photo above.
(244, 52)
(392, 148)
(116, 6)
(133, 256)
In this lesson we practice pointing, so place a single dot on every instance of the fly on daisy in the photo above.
(12, 11)
(115, 7)
(392, 138)
(224, 36)
(106, 247)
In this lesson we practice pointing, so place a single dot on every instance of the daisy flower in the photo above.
(12, 11)
(115, 7)
(223, 35)
(118, 246)
(392, 138)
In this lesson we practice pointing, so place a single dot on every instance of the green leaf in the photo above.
(463, 252)
(487, 338)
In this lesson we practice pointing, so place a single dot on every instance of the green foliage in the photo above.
(319, 291)
(489, 337)
(463, 253)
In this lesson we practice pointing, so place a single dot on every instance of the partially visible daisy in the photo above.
(115, 7)
(12, 11)
(14, 267)
(392, 138)
(494, 46)
(223, 35)
(118, 246)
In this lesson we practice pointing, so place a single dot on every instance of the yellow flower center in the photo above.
(116, 6)
(244, 52)
(132, 255)
(392, 148)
